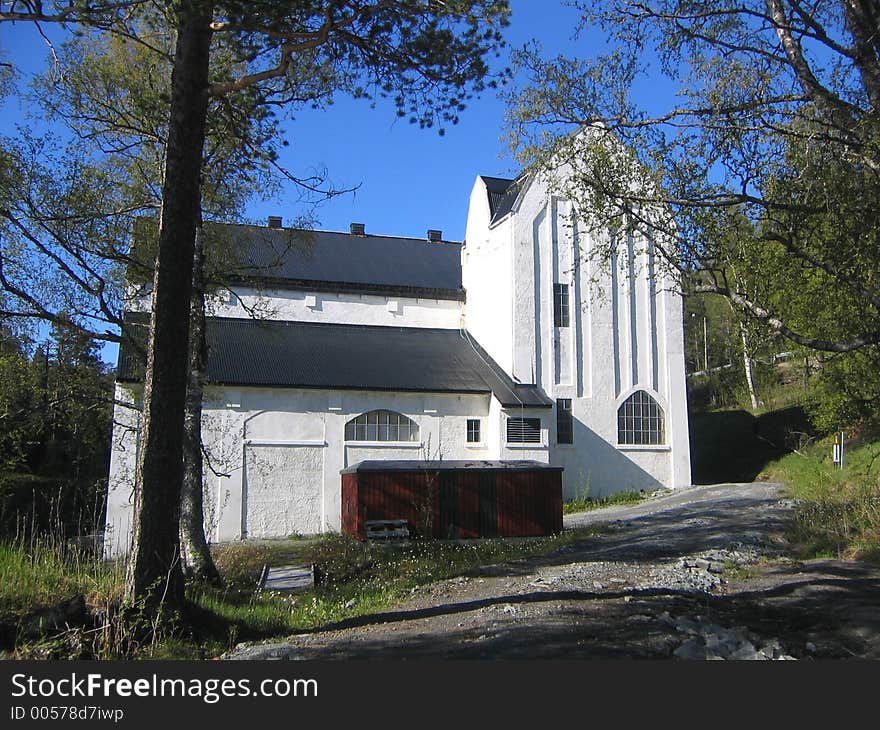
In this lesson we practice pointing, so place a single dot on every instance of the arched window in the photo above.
(381, 426)
(640, 420)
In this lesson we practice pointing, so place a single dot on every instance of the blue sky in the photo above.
(413, 179)
(408, 179)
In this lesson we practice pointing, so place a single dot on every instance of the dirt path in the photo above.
(693, 574)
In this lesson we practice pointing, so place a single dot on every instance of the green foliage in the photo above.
(19, 399)
(47, 572)
(762, 176)
(55, 422)
(838, 510)
(588, 504)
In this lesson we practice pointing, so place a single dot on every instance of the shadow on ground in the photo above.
(735, 446)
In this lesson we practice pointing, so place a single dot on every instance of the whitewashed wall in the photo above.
(487, 276)
(275, 455)
(625, 334)
(345, 308)
(123, 459)
(303, 305)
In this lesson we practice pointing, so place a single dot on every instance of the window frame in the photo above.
(474, 427)
(561, 305)
(378, 425)
(641, 421)
(527, 422)
(564, 422)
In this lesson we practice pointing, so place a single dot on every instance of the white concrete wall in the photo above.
(345, 308)
(487, 276)
(303, 305)
(625, 334)
(123, 460)
(275, 455)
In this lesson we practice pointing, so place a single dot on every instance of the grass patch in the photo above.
(587, 504)
(838, 510)
(47, 572)
(361, 578)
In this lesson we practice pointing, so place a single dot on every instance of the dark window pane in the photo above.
(560, 305)
(564, 421)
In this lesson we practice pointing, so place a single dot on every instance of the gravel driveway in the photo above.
(699, 573)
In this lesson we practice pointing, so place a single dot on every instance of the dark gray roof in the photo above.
(274, 353)
(502, 193)
(336, 261)
(521, 465)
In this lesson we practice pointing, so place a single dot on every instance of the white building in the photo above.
(349, 346)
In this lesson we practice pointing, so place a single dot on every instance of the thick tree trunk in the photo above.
(194, 551)
(154, 574)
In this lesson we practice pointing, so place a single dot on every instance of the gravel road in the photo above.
(699, 573)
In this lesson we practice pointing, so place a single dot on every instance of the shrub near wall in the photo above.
(32, 505)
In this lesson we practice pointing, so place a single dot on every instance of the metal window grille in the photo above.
(381, 425)
(523, 430)
(473, 430)
(560, 305)
(640, 420)
(564, 421)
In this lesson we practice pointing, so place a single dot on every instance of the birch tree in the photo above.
(776, 117)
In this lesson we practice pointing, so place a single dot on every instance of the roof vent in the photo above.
(274, 221)
(358, 229)
(435, 236)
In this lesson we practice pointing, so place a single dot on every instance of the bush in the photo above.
(32, 505)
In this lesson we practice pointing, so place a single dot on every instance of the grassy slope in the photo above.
(837, 512)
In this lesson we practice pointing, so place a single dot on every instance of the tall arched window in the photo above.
(381, 426)
(640, 420)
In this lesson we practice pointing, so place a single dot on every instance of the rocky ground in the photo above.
(696, 574)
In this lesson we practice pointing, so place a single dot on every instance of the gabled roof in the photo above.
(272, 353)
(331, 261)
(328, 257)
(503, 194)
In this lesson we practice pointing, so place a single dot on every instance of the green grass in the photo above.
(587, 504)
(361, 578)
(46, 573)
(838, 510)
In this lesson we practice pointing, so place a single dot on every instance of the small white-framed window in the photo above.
(381, 425)
(640, 421)
(560, 305)
(523, 430)
(474, 432)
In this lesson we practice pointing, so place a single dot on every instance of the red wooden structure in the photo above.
(454, 499)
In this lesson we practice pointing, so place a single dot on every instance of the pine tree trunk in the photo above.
(194, 551)
(154, 576)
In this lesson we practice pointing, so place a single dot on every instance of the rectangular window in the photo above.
(564, 421)
(560, 305)
(473, 430)
(523, 430)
